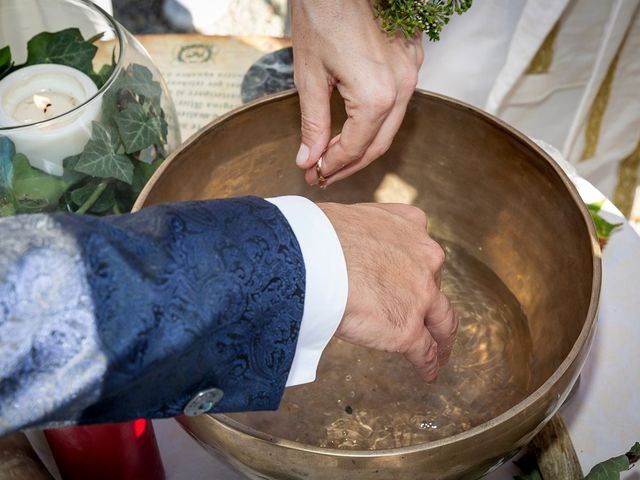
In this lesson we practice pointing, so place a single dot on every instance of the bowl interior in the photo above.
(485, 188)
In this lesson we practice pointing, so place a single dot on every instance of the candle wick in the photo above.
(42, 102)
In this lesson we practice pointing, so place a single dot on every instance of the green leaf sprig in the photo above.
(612, 468)
(411, 16)
(6, 63)
(604, 229)
(609, 469)
(66, 47)
(125, 147)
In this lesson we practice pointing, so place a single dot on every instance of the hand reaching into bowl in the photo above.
(394, 301)
(340, 44)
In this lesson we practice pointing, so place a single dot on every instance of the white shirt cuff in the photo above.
(327, 284)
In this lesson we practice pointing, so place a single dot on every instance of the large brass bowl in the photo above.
(483, 184)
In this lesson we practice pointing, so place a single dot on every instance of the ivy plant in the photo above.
(125, 148)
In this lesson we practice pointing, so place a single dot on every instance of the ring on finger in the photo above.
(322, 180)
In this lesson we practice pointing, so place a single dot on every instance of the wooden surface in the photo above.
(554, 451)
(18, 461)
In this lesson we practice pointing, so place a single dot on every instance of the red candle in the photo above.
(110, 451)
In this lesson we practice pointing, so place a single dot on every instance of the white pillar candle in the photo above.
(43, 111)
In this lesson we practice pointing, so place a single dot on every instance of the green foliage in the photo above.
(603, 228)
(124, 150)
(66, 47)
(101, 77)
(99, 159)
(142, 173)
(5, 61)
(35, 190)
(139, 128)
(612, 468)
(411, 16)
(94, 197)
(139, 80)
(24, 189)
(608, 470)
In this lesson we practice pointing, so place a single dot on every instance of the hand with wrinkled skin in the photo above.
(339, 43)
(394, 301)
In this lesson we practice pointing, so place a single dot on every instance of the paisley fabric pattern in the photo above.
(114, 318)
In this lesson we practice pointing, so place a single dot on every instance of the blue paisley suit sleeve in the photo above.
(115, 318)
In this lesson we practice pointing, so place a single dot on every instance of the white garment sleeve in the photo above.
(327, 284)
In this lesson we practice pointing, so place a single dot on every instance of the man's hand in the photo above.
(394, 302)
(340, 43)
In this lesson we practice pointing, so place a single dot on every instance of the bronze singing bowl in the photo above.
(482, 183)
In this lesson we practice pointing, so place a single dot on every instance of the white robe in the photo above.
(484, 57)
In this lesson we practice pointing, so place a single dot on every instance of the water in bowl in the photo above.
(364, 399)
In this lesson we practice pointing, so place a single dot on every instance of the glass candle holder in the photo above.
(85, 117)
(85, 120)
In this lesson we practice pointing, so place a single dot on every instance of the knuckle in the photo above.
(451, 323)
(437, 256)
(430, 289)
(431, 355)
(352, 152)
(380, 96)
(408, 80)
(418, 216)
(383, 100)
(404, 345)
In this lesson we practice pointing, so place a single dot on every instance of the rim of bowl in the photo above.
(120, 35)
(519, 407)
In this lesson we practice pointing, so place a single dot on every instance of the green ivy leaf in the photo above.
(114, 101)
(70, 175)
(99, 158)
(102, 75)
(104, 202)
(139, 80)
(609, 469)
(66, 47)
(164, 125)
(105, 72)
(603, 227)
(612, 468)
(114, 135)
(595, 207)
(138, 129)
(7, 207)
(5, 61)
(142, 173)
(634, 453)
(34, 189)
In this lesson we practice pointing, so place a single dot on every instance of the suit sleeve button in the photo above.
(203, 402)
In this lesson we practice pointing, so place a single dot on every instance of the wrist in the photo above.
(326, 283)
